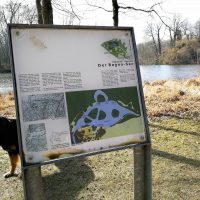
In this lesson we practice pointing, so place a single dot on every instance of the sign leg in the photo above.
(142, 173)
(33, 187)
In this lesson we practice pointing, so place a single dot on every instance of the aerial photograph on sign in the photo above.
(36, 138)
(43, 106)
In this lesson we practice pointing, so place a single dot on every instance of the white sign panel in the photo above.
(77, 90)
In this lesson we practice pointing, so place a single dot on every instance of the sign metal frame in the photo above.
(16, 93)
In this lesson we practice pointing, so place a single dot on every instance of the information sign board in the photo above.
(77, 89)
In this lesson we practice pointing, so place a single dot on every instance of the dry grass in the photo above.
(173, 98)
(192, 82)
(7, 105)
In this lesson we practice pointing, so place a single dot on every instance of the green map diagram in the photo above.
(116, 47)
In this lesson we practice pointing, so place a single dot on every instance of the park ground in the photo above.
(173, 109)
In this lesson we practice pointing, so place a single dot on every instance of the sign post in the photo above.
(142, 173)
(33, 187)
(78, 92)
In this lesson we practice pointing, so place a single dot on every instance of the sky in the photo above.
(187, 9)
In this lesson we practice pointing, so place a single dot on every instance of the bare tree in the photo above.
(153, 31)
(146, 53)
(176, 29)
(197, 29)
(68, 11)
(9, 13)
(28, 15)
(121, 7)
(13, 12)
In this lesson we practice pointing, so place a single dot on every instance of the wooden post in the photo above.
(33, 187)
(142, 173)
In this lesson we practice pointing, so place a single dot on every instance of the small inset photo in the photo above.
(43, 106)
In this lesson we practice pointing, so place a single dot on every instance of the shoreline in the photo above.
(162, 98)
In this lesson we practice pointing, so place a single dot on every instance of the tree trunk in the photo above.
(47, 12)
(154, 44)
(171, 39)
(159, 43)
(115, 12)
(39, 11)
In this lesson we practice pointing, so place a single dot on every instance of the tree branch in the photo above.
(99, 7)
(74, 13)
(150, 10)
(71, 12)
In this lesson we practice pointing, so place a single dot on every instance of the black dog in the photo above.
(9, 142)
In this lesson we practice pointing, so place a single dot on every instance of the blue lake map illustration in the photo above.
(102, 114)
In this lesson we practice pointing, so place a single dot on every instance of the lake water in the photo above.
(5, 82)
(166, 72)
(148, 73)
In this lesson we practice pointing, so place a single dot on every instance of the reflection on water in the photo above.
(165, 72)
(148, 73)
(5, 82)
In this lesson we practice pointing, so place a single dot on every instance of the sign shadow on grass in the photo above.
(177, 158)
(73, 177)
(175, 130)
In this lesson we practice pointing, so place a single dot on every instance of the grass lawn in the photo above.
(174, 120)
(176, 159)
